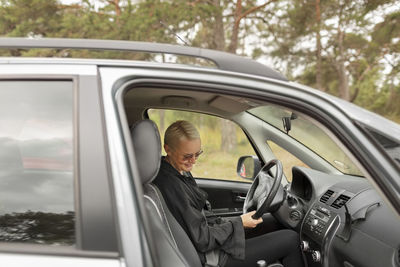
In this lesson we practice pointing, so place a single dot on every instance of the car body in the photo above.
(67, 157)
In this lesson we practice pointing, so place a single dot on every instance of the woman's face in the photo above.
(184, 155)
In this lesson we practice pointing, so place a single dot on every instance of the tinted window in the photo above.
(36, 162)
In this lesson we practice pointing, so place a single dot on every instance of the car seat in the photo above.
(170, 236)
(174, 248)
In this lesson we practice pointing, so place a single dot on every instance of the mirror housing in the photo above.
(248, 167)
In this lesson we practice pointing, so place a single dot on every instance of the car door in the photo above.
(316, 106)
(50, 129)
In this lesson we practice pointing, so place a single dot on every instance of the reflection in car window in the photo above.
(309, 135)
(219, 161)
(36, 162)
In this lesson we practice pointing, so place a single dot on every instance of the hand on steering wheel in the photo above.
(263, 189)
(248, 220)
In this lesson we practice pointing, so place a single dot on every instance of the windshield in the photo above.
(307, 134)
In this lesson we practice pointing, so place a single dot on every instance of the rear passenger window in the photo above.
(36, 162)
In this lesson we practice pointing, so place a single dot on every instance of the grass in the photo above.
(219, 165)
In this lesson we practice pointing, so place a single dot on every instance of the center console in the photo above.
(318, 228)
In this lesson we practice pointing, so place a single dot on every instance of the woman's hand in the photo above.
(248, 221)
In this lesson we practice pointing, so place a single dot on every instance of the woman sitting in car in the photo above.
(219, 242)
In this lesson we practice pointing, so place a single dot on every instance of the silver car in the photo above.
(72, 188)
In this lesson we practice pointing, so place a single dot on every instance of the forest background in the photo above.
(350, 49)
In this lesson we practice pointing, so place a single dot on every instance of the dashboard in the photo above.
(341, 219)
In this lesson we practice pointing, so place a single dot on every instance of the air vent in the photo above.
(340, 201)
(326, 196)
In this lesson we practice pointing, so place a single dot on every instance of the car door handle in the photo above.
(240, 199)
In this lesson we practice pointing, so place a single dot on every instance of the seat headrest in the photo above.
(147, 148)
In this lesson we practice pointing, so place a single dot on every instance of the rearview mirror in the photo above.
(248, 167)
(287, 122)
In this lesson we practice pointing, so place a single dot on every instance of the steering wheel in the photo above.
(263, 189)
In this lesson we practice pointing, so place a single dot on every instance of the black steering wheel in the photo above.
(263, 189)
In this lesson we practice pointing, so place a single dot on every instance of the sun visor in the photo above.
(179, 101)
(228, 104)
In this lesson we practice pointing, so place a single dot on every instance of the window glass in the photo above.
(287, 158)
(223, 142)
(36, 162)
(308, 134)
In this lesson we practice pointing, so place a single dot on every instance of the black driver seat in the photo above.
(172, 243)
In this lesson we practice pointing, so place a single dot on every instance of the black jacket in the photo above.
(186, 201)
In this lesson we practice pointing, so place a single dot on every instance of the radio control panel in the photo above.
(317, 222)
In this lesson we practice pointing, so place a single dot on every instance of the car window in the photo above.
(36, 162)
(223, 142)
(287, 158)
(308, 134)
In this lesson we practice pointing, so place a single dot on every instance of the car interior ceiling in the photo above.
(137, 100)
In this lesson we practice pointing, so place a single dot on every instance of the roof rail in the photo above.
(223, 60)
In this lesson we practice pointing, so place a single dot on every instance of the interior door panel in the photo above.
(226, 197)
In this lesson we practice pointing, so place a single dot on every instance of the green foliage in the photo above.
(355, 41)
(257, 52)
(34, 18)
(284, 30)
(365, 46)
(369, 96)
(385, 31)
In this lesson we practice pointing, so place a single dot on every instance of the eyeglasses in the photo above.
(188, 157)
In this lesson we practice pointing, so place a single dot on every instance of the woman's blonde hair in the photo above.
(180, 129)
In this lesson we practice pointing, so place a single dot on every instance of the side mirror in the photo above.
(248, 167)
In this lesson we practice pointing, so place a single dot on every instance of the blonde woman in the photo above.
(186, 201)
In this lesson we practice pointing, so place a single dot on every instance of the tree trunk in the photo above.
(115, 3)
(318, 71)
(344, 91)
(219, 33)
(228, 136)
(228, 130)
(235, 30)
